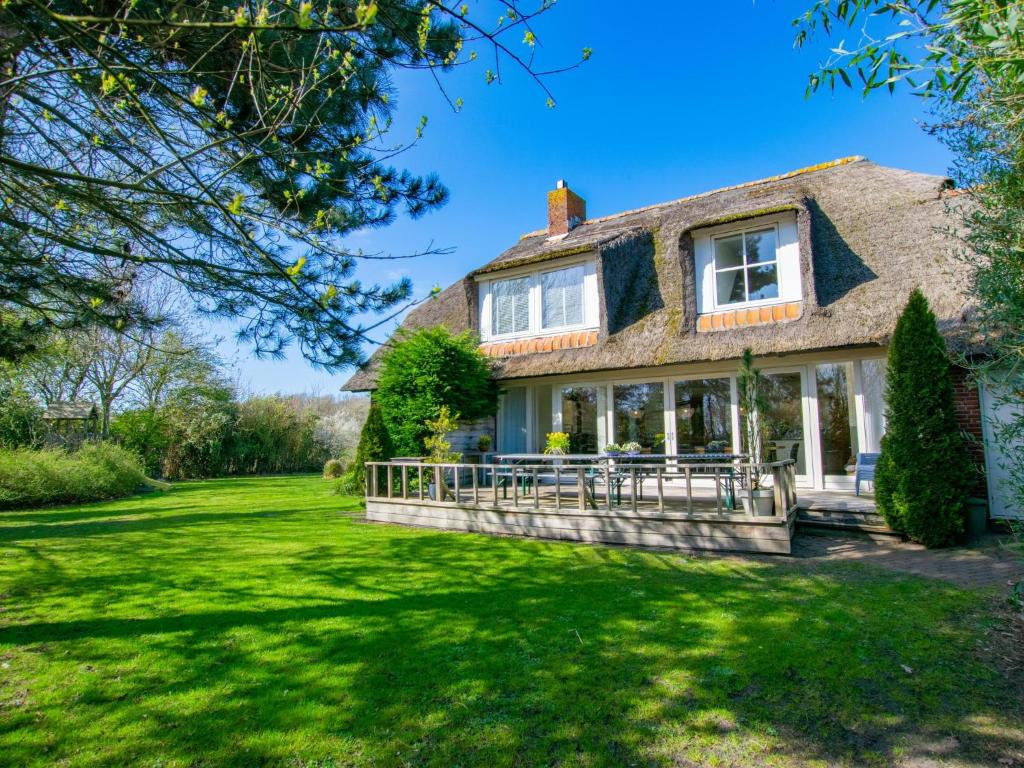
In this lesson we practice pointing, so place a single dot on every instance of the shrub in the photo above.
(374, 445)
(439, 447)
(20, 417)
(32, 478)
(333, 469)
(142, 432)
(924, 473)
(199, 425)
(272, 435)
(347, 485)
(427, 369)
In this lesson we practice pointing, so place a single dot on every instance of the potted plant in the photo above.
(612, 449)
(439, 450)
(557, 444)
(483, 443)
(632, 448)
(753, 406)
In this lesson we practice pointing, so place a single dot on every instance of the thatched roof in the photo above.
(868, 236)
(70, 410)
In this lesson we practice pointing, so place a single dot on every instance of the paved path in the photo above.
(987, 564)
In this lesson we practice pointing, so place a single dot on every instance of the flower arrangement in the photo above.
(631, 448)
(558, 444)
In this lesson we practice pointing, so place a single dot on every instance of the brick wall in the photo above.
(968, 415)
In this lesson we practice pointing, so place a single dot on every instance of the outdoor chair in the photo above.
(866, 463)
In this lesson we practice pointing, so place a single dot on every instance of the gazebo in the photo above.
(70, 422)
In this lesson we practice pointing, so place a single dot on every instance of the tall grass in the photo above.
(33, 478)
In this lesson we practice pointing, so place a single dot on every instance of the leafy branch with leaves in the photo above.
(229, 147)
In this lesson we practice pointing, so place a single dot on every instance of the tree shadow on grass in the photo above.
(414, 648)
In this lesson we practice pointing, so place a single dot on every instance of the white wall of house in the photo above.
(815, 408)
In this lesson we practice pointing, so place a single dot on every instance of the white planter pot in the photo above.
(764, 502)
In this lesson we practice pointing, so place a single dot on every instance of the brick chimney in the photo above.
(566, 209)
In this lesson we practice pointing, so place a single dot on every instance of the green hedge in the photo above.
(36, 478)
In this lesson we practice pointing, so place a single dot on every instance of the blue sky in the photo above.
(682, 98)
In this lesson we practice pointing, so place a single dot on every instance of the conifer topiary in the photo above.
(924, 472)
(374, 445)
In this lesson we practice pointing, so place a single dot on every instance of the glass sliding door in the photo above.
(837, 418)
(639, 411)
(580, 414)
(872, 387)
(703, 414)
(783, 427)
(512, 424)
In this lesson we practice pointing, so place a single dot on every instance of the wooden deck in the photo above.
(663, 512)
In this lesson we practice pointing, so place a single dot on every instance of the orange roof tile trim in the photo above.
(574, 340)
(739, 318)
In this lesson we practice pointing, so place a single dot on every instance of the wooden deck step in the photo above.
(811, 520)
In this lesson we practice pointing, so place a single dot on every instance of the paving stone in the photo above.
(987, 564)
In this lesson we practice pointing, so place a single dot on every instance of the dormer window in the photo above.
(746, 267)
(539, 302)
(748, 264)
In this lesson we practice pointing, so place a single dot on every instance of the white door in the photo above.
(997, 408)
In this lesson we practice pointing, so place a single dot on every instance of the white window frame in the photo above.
(536, 309)
(583, 299)
(743, 231)
(529, 305)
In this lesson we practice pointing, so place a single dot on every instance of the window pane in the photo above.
(783, 427)
(703, 413)
(760, 246)
(729, 252)
(837, 418)
(640, 415)
(511, 302)
(873, 382)
(562, 297)
(763, 282)
(731, 286)
(579, 419)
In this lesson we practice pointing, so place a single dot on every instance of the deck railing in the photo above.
(602, 484)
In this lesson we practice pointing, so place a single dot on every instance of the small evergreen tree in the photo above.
(374, 445)
(924, 472)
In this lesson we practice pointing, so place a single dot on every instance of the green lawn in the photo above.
(257, 622)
